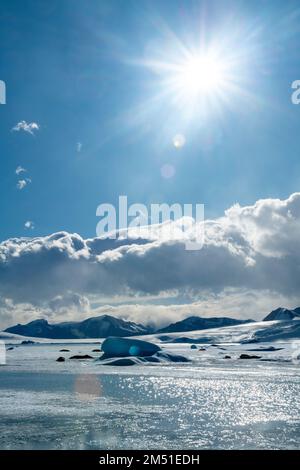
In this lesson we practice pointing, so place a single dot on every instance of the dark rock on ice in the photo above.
(248, 356)
(83, 356)
(164, 338)
(268, 349)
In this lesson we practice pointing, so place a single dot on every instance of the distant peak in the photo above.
(39, 320)
(283, 314)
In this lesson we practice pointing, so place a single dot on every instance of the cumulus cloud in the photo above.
(11, 313)
(70, 303)
(20, 170)
(29, 127)
(68, 307)
(250, 249)
(21, 184)
(29, 224)
(234, 303)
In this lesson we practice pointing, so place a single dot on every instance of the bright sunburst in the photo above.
(202, 74)
(195, 81)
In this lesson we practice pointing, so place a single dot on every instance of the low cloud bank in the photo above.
(253, 249)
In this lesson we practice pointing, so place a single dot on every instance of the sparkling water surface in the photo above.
(76, 405)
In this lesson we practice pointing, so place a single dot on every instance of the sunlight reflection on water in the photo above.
(131, 411)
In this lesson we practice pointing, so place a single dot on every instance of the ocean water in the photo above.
(207, 405)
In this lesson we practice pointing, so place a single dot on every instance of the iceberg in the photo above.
(125, 347)
(128, 352)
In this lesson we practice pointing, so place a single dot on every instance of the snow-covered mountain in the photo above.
(106, 325)
(247, 333)
(96, 327)
(200, 323)
(283, 314)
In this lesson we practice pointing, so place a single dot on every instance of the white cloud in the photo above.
(253, 251)
(20, 170)
(29, 224)
(79, 147)
(21, 184)
(17, 313)
(69, 306)
(26, 127)
(234, 303)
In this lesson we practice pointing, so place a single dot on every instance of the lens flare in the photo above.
(178, 141)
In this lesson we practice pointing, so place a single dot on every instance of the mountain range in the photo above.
(283, 314)
(199, 323)
(106, 325)
(95, 327)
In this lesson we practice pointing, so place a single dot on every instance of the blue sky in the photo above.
(76, 69)
(97, 94)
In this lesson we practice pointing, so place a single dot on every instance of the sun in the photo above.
(199, 75)
(194, 81)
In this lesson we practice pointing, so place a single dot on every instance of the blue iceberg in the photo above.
(126, 347)
(129, 352)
